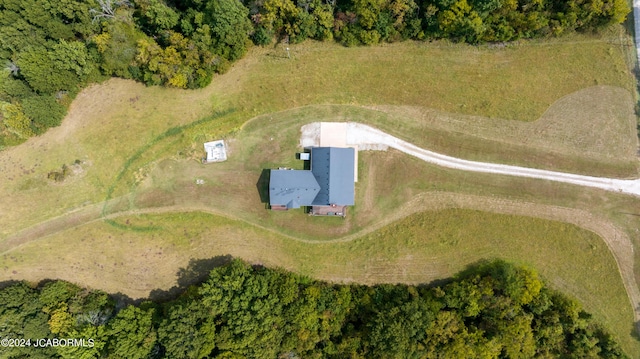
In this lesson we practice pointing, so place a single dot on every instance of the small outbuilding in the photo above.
(216, 151)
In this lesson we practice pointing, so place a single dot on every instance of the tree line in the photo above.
(50, 49)
(491, 310)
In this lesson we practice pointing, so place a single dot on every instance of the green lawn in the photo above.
(515, 83)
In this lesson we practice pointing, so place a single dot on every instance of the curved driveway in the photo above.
(368, 137)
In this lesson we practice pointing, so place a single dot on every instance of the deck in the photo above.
(332, 210)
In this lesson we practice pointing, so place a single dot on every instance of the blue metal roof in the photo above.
(292, 188)
(334, 170)
(330, 181)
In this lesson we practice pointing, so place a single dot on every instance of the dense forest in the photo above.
(491, 310)
(50, 49)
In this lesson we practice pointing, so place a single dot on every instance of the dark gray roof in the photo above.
(333, 168)
(292, 188)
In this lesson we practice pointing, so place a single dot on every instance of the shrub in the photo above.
(44, 112)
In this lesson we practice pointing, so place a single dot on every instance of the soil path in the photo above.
(616, 240)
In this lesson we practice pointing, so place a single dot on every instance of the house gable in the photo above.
(292, 188)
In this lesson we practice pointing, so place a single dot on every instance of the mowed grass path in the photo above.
(143, 253)
(416, 249)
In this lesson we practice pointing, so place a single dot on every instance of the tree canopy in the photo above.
(492, 310)
(52, 49)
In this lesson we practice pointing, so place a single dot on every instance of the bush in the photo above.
(15, 120)
(44, 112)
(262, 36)
(59, 176)
(12, 89)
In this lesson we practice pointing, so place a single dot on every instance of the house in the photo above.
(328, 187)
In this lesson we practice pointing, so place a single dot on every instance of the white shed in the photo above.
(216, 151)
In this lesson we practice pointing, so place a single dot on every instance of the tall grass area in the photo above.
(440, 243)
(421, 248)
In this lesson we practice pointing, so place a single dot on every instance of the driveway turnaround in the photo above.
(366, 137)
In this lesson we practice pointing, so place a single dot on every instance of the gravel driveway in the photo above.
(367, 137)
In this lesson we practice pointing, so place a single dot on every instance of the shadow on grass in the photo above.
(635, 333)
(196, 272)
(263, 186)
(636, 73)
(629, 25)
(469, 270)
(638, 125)
(8, 283)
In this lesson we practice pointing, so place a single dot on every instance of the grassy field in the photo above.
(516, 83)
(232, 187)
(417, 249)
(154, 181)
(139, 147)
(145, 252)
(110, 124)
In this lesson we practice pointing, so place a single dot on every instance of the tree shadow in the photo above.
(479, 267)
(636, 73)
(638, 125)
(635, 332)
(8, 283)
(436, 283)
(122, 300)
(197, 271)
(629, 25)
(263, 186)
